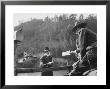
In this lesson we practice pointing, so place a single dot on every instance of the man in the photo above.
(46, 62)
(87, 46)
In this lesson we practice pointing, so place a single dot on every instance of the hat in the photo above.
(79, 25)
(46, 49)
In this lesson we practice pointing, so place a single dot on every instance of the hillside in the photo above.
(52, 32)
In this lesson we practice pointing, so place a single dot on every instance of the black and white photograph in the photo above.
(61, 44)
(55, 44)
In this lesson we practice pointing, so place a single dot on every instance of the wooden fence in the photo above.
(31, 70)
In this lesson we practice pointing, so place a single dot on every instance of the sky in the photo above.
(24, 17)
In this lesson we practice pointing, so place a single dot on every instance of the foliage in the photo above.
(56, 33)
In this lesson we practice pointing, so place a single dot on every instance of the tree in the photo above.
(92, 22)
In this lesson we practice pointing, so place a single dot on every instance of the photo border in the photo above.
(4, 3)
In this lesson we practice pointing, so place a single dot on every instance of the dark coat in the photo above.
(45, 60)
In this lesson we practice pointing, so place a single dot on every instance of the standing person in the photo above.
(46, 62)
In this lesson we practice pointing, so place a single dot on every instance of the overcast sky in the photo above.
(23, 17)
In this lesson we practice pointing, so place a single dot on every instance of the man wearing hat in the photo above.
(87, 45)
(46, 62)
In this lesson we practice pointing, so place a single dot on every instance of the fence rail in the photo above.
(31, 70)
